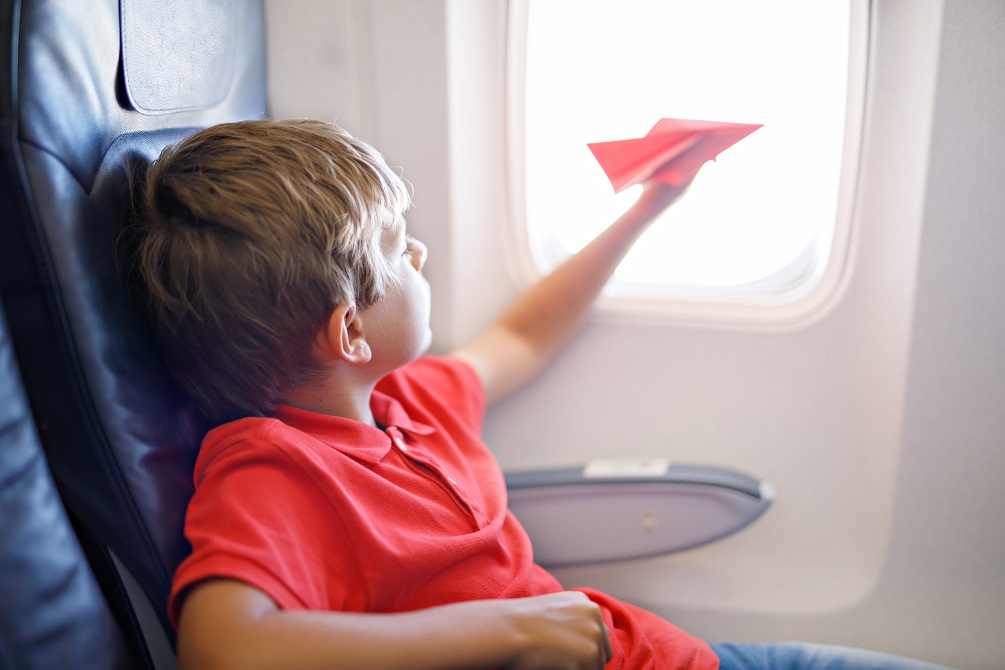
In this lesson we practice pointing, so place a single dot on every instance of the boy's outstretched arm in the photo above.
(227, 624)
(532, 329)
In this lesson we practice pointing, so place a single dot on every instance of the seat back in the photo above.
(53, 613)
(89, 91)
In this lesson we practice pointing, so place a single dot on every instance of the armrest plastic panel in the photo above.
(575, 519)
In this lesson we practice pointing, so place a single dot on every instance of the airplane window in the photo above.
(766, 222)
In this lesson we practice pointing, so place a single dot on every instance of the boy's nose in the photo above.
(419, 254)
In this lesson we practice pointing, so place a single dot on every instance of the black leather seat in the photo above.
(53, 613)
(91, 90)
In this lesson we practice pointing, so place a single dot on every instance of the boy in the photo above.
(348, 515)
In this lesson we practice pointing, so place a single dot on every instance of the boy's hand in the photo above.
(559, 630)
(656, 197)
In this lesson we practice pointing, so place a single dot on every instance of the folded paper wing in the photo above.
(672, 152)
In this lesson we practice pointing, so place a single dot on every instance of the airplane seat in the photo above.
(53, 608)
(92, 90)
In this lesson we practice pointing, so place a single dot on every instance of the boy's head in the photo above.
(249, 235)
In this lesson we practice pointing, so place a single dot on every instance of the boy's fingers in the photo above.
(657, 196)
(608, 649)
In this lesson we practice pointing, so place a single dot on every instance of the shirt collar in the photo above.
(388, 412)
(353, 438)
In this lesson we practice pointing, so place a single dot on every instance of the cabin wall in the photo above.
(880, 422)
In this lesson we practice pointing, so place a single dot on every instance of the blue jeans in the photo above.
(802, 656)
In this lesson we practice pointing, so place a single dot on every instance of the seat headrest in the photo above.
(176, 60)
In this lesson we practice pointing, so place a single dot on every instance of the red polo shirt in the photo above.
(325, 513)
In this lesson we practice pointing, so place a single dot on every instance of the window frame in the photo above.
(777, 302)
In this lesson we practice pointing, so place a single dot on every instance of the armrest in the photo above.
(612, 510)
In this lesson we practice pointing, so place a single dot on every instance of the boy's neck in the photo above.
(335, 400)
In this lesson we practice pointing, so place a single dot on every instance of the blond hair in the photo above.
(249, 234)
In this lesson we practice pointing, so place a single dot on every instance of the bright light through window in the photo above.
(599, 70)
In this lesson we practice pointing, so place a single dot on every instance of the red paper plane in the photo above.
(672, 152)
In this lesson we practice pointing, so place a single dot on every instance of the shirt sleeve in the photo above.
(259, 518)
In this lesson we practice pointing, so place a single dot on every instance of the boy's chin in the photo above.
(422, 349)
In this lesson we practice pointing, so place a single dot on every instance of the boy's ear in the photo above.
(343, 338)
